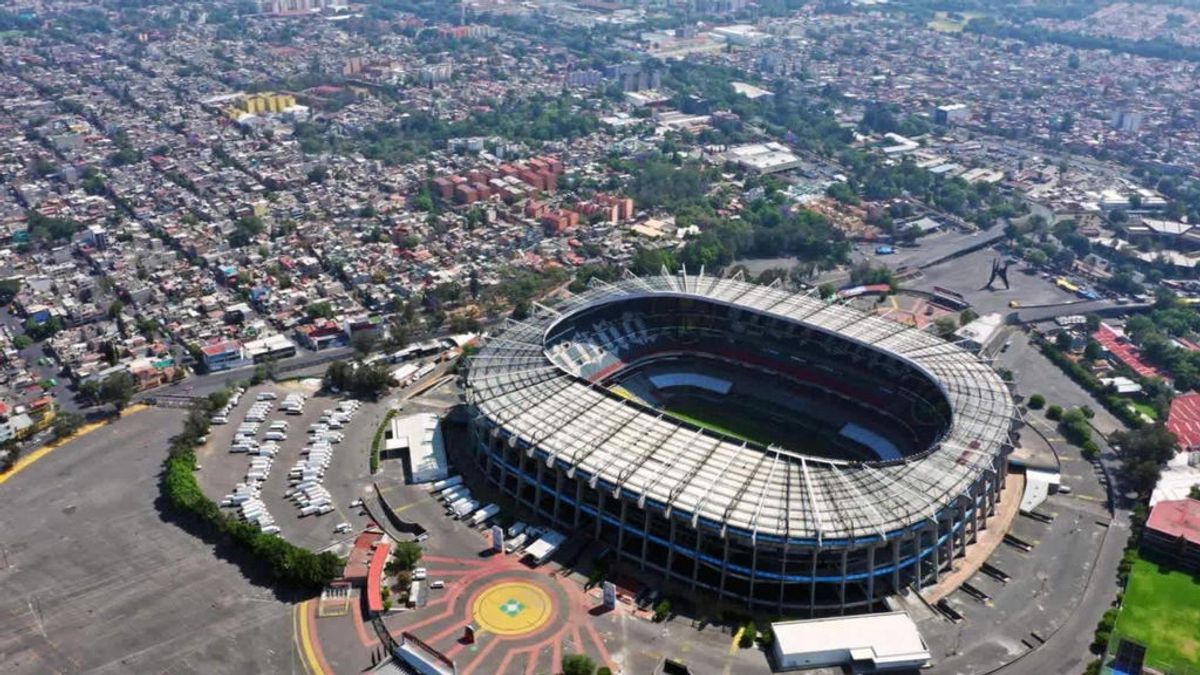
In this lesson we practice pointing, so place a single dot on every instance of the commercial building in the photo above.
(1174, 234)
(764, 158)
(421, 437)
(866, 643)
(263, 102)
(634, 76)
(223, 355)
(954, 113)
(270, 348)
(981, 334)
(1172, 534)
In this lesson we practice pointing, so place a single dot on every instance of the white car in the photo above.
(266, 396)
(342, 528)
(420, 573)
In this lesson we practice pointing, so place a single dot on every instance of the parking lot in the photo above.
(95, 578)
(1005, 618)
(968, 275)
(346, 478)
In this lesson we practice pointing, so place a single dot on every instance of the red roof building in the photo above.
(1172, 534)
(1184, 420)
(1124, 352)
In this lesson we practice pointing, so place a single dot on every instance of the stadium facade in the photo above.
(767, 525)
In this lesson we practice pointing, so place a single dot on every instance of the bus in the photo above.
(1066, 285)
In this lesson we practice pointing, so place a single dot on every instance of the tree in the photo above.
(1037, 402)
(407, 554)
(662, 610)
(1104, 630)
(1063, 340)
(117, 389)
(10, 452)
(749, 632)
(967, 316)
(578, 664)
(8, 290)
(826, 290)
(1194, 492)
(1154, 443)
(474, 284)
(945, 325)
(1143, 476)
(65, 424)
(1074, 427)
(22, 341)
(364, 342)
(1093, 351)
(399, 332)
(319, 310)
(368, 380)
(1054, 412)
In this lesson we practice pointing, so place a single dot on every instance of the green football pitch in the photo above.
(1161, 610)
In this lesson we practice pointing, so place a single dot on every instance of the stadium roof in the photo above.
(626, 449)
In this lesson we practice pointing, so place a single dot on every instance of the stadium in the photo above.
(769, 447)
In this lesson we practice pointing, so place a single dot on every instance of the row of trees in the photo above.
(1155, 332)
(285, 562)
(364, 380)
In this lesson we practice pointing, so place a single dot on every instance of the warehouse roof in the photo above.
(889, 637)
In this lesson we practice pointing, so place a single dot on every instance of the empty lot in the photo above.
(93, 579)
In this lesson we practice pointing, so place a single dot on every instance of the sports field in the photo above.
(1162, 611)
(745, 423)
(705, 415)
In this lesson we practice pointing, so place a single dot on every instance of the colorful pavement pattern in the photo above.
(525, 619)
(512, 608)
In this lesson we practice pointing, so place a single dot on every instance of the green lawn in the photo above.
(1145, 408)
(702, 417)
(1162, 611)
(744, 423)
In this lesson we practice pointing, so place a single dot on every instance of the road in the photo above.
(1066, 651)
(1101, 307)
